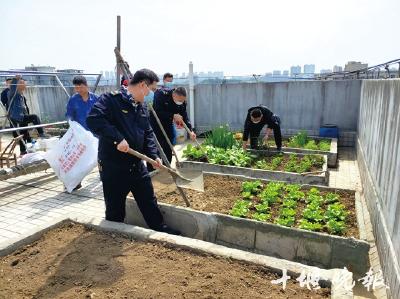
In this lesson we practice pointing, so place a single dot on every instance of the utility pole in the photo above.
(191, 94)
(118, 78)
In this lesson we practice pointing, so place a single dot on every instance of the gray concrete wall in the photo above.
(378, 152)
(301, 105)
(50, 102)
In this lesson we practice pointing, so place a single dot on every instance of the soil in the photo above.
(75, 262)
(221, 192)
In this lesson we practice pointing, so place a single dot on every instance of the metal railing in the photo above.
(55, 75)
(379, 71)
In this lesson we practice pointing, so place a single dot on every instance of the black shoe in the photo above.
(166, 229)
(279, 150)
(78, 187)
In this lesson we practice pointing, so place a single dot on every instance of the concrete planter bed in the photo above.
(331, 154)
(211, 223)
(320, 177)
(96, 258)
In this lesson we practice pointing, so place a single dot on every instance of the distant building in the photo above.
(337, 68)
(309, 69)
(295, 70)
(40, 80)
(326, 71)
(66, 79)
(352, 66)
(285, 73)
(276, 73)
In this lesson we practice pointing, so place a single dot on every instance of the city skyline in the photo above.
(165, 36)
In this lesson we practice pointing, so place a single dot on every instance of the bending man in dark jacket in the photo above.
(18, 111)
(170, 106)
(120, 120)
(257, 118)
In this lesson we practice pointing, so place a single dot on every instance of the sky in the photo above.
(236, 37)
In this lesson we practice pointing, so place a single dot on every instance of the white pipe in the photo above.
(191, 94)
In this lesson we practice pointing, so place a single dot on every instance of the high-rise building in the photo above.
(295, 70)
(309, 69)
(285, 73)
(337, 68)
(276, 73)
(352, 66)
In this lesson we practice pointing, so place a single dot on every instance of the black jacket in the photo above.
(267, 119)
(116, 117)
(165, 108)
(4, 97)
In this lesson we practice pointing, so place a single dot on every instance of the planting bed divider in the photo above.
(321, 178)
(307, 247)
(331, 155)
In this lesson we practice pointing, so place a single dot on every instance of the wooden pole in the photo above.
(118, 78)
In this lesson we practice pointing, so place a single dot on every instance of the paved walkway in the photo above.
(31, 201)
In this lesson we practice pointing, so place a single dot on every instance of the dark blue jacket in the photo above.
(4, 97)
(17, 107)
(115, 117)
(267, 119)
(165, 108)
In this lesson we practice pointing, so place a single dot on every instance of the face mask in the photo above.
(149, 97)
(178, 103)
(168, 84)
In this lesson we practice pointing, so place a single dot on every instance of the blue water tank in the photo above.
(329, 130)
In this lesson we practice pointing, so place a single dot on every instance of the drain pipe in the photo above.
(191, 94)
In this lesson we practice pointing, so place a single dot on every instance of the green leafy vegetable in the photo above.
(241, 208)
(261, 216)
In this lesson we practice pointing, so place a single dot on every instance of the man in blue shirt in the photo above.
(80, 104)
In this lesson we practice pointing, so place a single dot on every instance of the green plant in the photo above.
(289, 221)
(221, 137)
(262, 207)
(307, 225)
(311, 145)
(324, 145)
(313, 191)
(287, 212)
(331, 197)
(335, 227)
(292, 187)
(298, 140)
(194, 152)
(314, 214)
(269, 195)
(276, 161)
(252, 186)
(241, 208)
(261, 216)
(289, 203)
(263, 164)
(336, 211)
